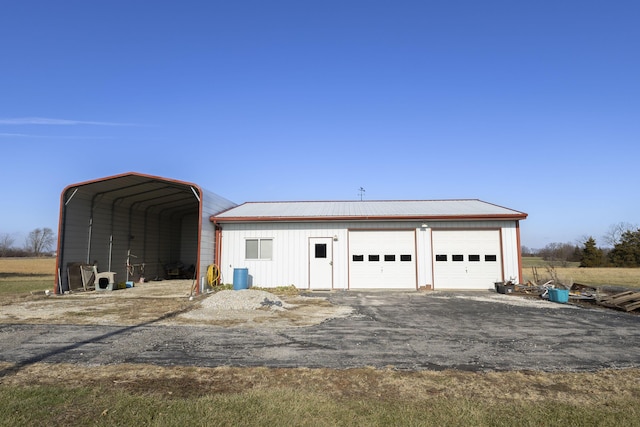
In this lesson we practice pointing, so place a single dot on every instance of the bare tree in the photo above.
(40, 241)
(560, 253)
(584, 238)
(6, 242)
(613, 236)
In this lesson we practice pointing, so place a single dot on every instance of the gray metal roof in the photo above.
(389, 209)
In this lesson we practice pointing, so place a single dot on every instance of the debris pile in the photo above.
(577, 291)
(627, 301)
(246, 299)
(621, 299)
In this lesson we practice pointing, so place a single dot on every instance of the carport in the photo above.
(136, 225)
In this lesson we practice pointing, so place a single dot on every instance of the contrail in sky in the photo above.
(56, 122)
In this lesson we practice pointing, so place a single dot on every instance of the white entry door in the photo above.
(320, 263)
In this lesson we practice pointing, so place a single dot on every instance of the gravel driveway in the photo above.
(476, 331)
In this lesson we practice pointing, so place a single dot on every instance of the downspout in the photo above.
(519, 251)
(217, 256)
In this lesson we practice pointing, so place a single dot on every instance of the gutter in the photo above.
(215, 219)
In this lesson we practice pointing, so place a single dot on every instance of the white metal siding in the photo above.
(368, 267)
(290, 264)
(290, 250)
(510, 251)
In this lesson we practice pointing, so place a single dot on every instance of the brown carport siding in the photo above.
(148, 221)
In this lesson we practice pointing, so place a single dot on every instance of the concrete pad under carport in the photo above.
(479, 331)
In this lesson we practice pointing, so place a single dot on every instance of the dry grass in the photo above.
(386, 384)
(141, 394)
(627, 277)
(28, 266)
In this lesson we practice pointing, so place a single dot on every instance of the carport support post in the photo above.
(110, 249)
(89, 239)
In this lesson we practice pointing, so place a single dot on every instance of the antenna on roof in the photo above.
(361, 192)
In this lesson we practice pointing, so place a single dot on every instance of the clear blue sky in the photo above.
(530, 105)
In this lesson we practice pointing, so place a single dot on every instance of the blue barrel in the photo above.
(240, 278)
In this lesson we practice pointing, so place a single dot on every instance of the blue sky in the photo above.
(530, 105)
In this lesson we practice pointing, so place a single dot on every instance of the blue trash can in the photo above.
(240, 278)
(559, 295)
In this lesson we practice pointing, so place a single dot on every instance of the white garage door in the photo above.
(382, 259)
(466, 259)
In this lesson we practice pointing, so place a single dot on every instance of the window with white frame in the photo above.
(258, 249)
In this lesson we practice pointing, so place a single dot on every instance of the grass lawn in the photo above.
(64, 395)
(24, 275)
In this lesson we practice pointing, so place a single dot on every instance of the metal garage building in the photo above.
(439, 244)
(134, 224)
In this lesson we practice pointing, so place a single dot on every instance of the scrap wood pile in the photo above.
(627, 301)
(622, 300)
(576, 291)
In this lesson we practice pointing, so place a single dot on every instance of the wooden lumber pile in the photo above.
(628, 300)
(583, 292)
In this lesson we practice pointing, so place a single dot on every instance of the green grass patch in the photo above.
(97, 406)
(25, 275)
(16, 285)
(138, 394)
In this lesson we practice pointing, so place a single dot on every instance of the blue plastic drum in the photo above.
(240, 278)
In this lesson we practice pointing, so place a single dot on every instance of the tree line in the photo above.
(622, 250)
(39, 242)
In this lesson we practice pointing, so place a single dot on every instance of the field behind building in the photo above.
(570, 274)
(24, 275)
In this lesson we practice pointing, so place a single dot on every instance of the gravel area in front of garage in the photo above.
(479, 331)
